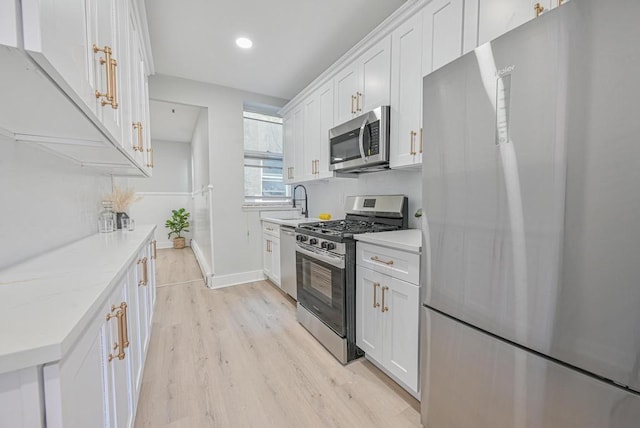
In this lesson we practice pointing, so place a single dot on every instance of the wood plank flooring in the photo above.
(237, 357)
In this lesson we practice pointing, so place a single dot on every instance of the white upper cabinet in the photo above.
(426, 41)
(311, 137)
(289, 156)
(8, 23)
(487, 19)
(406, 92)
(326, 100)
(365, 83)
(85, 47)
(59, 36)
(443, 26)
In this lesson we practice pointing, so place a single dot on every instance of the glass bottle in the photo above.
(107, 218)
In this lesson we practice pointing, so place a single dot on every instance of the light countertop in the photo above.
(407, 239)
(48, 300)
(292, 222)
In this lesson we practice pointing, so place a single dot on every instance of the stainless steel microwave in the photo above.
(361, 144)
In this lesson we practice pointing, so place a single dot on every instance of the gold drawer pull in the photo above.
(121, 333)
(125, 336)
(386, 262)
(384, 306)
(375, 298)
(538, 8)
(114, 84)
(108, 96)
(150, 151)
(138, 127)
(358, 101)
(412, 137)
(155, 249)
(421, 140)
(145, 276)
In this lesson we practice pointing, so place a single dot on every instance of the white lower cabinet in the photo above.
(387, 324)
(98, 382)
(271, 251)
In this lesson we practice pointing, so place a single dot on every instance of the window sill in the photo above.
(268, 207)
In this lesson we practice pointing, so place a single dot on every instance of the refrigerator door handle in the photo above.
(426, 253)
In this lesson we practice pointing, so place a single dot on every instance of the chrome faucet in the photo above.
(305, 211)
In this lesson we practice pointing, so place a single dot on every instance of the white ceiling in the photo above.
(293, 40)
(172, 122)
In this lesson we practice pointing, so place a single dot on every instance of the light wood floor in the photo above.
(236, 357)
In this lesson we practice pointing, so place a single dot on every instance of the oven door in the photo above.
(321, 283)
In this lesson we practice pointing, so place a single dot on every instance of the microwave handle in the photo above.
(361, 139)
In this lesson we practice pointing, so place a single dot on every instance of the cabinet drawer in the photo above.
(271, 229)
(396, 263)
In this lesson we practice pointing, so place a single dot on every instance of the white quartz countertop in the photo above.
(407, 239)
(48, 300)
(293, 222)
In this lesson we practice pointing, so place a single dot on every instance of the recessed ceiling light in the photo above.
(244, 43)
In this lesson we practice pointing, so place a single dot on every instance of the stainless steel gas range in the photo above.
(326, 269)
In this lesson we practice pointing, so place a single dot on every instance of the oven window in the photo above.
(319, 279)
(321, 290)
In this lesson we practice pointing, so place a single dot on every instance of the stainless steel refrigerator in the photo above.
(531, 195)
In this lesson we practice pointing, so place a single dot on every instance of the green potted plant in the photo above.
(178, 223)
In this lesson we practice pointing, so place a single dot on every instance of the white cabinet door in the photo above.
(298, 138)
(267, 259)
(119, 369)
(59, 36)
(275, 261)
(76, 388)
(487, 19)
(311, 136)
(368, 314)
(406, 90)
(347, 84)
(326, 101)
(443, 23)
(8, 23)
(401, 308)
(375, 80)
(107, 35)
(288, 124)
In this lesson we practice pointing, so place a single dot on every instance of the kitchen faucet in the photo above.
(305, 211)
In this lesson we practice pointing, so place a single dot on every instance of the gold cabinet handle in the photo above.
(384, 306)
(140, 138)
(386, 262)
(358, 96)
(375, 298)
(145, 275)
(353, 98)
(412, 137)
(155, 249)
(150, 151)
(135, 126)
(538, 8)
(421, 140)
(108, 96)
(119, 345)
(125, 335)
(560, 2)
(114, 84)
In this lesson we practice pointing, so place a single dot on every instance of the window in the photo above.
(263, 182)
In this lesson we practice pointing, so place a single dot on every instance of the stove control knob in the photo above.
(313, 241)
(324, 244)
(303, 238)
(331, 246)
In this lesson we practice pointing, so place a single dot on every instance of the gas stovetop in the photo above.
(343, 228)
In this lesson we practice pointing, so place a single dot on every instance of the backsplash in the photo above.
(45, 201)
(327, 196)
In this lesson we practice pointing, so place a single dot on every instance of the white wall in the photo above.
(171, 171)
(45, 202)
(168, 188)
(237, 237)
(329, 195)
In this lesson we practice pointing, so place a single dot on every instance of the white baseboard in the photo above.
(204, 264)
(220, 281)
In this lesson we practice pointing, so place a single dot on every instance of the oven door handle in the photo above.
(329, 259)
(361, 139)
